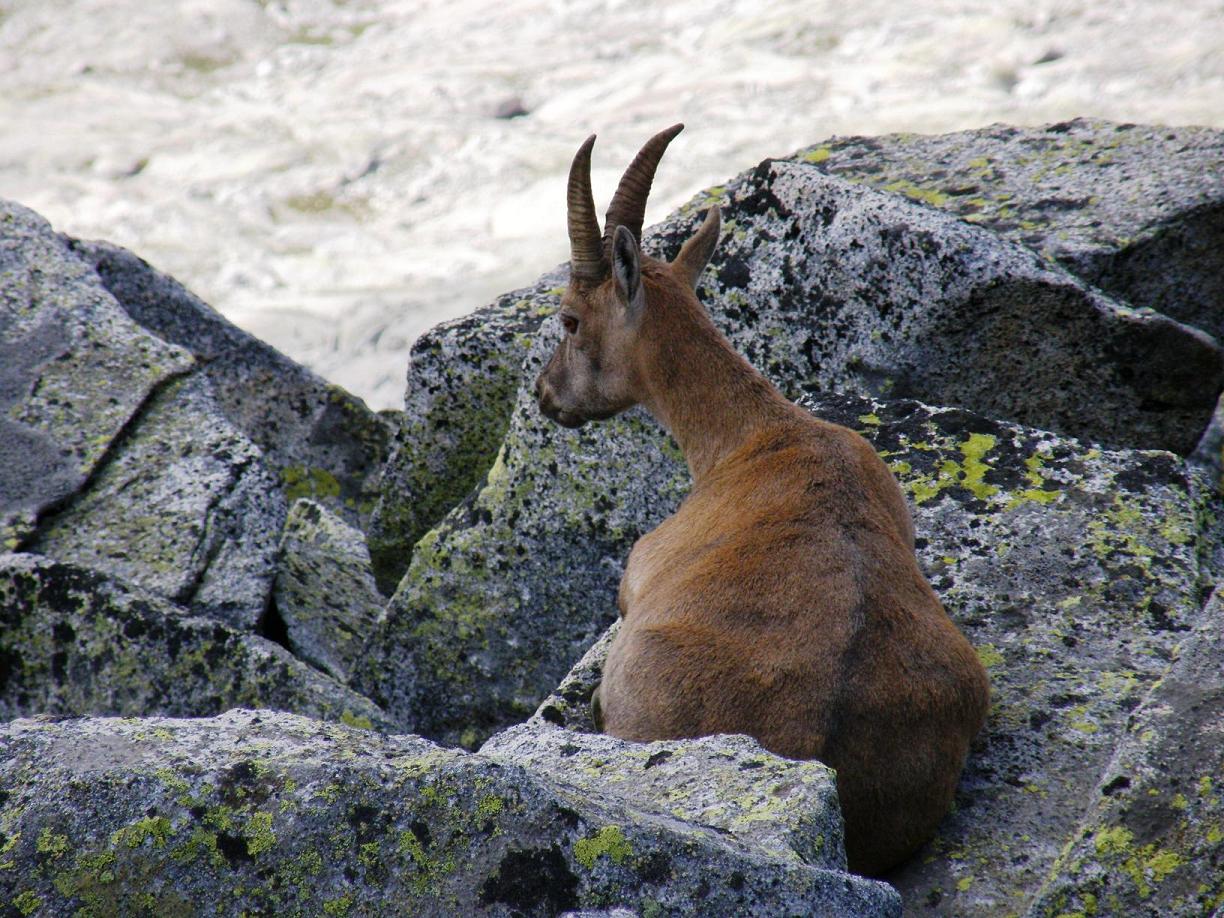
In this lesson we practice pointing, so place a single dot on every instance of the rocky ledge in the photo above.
(229, 592)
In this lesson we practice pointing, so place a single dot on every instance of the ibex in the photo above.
(783, 598)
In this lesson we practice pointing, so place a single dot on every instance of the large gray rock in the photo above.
(729, 783)
(74, 371)
(462, 379)
(833, 286)
(272, 813)
(1135, 210)
(325, 591)
(1075, 572)
(122, 452)
(322, 442)
(75, 642)
(1152, 840)
(517, 581)
(183, 506)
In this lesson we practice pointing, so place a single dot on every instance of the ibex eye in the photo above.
(570, 323)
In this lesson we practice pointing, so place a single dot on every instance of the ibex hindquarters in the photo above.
(783, 599)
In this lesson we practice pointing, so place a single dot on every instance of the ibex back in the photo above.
(783, 599)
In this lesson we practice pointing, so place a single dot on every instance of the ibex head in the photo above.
(615, 295)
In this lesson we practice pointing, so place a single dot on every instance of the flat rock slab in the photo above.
(183, 506)
(325, 592)
(74, 370)
(320, 441)
(730, 783)
(264, 812)
(1136, 210)
(75, 642)
(1152, 842)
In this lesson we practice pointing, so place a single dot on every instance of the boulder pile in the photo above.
(264, 650)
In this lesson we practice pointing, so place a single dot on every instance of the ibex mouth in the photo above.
(564, 418)
(559, 415)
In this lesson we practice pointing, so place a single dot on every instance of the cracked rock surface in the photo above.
(273, 812)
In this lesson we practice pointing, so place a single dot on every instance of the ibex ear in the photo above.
(627, 270)
(695, 253)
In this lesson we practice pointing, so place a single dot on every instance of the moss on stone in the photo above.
(51, 844)
(314, 483)
(26, 902)
(155, 830)
(916, 192)
(258, 833)
(989, 655)
(610, 841)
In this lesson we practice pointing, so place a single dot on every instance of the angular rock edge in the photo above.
(269, 812)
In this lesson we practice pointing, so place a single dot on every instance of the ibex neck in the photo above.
(707, 396)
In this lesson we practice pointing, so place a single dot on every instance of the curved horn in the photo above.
(628, 207)
(587, 259)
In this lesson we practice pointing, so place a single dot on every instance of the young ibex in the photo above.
(783, 599)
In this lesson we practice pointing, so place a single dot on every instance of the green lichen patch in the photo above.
(258, 833)
(51, 844)
(609, 842)
(26, 902)
(359, 721)
(153, 830)
(313, 483)
(916, 192)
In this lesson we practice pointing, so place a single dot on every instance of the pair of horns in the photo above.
(589, 249)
